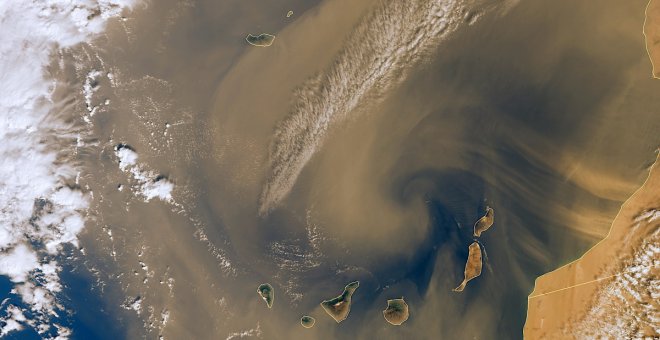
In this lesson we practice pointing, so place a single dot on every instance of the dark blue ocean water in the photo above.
(85, 312)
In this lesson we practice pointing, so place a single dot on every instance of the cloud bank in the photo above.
(42, 206)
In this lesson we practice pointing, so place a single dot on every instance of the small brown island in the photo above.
(485, 222)
(472, 265)
(307, 321)
(267, 293)
(261, 40)
(396, 312)
(339, 307)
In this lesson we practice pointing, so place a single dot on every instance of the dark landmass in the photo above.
(472, 266)
(262, 40)
(396, 312)
(339, 307)
(307, 321)
(484, 222)
(267, 293)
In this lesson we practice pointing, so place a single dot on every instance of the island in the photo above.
(484, 222)
(267, 293)
(396, 312)
(472, 266)
(339, 307)
(261, 40)
(307, 321)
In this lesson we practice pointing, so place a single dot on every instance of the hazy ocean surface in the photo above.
(363, 144)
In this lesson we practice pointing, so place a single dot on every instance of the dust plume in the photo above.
(377, 55)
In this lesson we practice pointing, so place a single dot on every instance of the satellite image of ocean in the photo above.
(329, 169)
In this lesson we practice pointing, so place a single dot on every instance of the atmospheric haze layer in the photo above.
(329, 169)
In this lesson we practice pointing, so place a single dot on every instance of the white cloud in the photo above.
(254, 332)
(89, 88)
(39, 299)
(127, 156)
(160, 188)
(63, 333)
(649, 215)
(133, 304)
(12, 320)
(626, 307)
(164, 317)
(18, 263)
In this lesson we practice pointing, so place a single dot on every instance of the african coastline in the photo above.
(610, 289)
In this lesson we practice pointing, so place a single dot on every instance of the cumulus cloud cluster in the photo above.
(148, 184)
